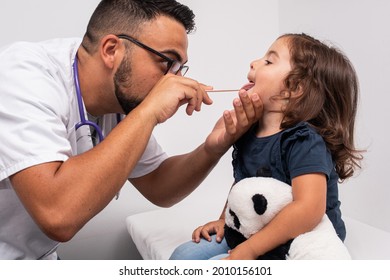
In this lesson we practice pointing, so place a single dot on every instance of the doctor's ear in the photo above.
(111, 49)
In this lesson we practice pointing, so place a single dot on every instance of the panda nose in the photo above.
(259, 203)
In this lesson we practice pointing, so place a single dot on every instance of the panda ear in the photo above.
(259, 203)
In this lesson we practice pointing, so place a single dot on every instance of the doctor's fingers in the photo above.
(248, 109)
(195, 95)
(188, 89)
(172, 92)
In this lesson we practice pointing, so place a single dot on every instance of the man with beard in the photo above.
(62, 97)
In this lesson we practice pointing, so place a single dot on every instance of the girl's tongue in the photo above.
(248, 86)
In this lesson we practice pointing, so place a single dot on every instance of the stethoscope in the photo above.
(83, 121)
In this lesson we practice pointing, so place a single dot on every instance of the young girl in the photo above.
(304, 138)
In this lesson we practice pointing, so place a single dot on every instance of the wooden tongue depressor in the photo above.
(221, 90)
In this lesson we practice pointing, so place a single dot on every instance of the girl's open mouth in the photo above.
(248, 86)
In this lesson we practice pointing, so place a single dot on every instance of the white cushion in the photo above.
(157, 233)
(365, 242)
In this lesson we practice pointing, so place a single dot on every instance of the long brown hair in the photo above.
(328, 101)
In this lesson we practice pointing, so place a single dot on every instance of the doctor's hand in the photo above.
(214, 227)
(248, 109)
(173, 91)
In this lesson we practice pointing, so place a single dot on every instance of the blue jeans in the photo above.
(204, 250)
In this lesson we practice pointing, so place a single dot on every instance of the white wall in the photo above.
(361, 30)
(43, 19)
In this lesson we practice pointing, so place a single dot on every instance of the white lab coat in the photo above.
(38, 113)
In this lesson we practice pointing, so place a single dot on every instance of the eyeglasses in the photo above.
(173, 66)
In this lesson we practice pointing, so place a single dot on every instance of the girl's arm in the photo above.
(300, 216)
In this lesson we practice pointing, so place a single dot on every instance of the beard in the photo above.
(122, 80)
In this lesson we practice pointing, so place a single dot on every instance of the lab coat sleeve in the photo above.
(150, 160)
(33, 111)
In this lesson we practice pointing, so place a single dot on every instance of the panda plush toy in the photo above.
(254, 202)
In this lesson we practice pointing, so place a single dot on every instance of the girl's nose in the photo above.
(253, 64)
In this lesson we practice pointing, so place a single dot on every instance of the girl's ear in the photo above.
(298, 92)
(293, 94)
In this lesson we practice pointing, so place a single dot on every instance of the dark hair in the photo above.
(126, 16)
(329, 87)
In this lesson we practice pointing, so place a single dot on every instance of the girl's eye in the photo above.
(267, 62)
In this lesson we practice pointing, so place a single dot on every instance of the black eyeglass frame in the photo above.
(183, 69)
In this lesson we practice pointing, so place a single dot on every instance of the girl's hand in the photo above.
(204, 231)
(242, 252)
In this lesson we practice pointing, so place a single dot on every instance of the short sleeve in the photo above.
(152, 157)
(305, 152)
(32, 112)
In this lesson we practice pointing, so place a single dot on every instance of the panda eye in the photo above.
(259, 203)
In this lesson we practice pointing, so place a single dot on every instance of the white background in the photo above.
(229, 35)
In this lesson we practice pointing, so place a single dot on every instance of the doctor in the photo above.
(64, 151)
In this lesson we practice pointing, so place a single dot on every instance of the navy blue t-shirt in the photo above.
(288, 154)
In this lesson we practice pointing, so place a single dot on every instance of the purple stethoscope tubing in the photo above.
(83, 121)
